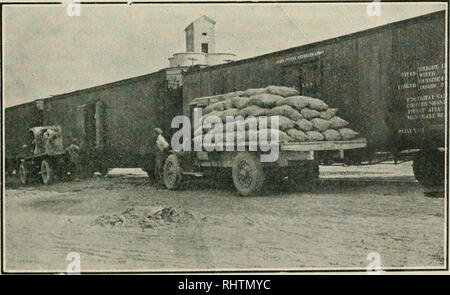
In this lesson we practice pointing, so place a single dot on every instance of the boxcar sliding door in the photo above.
(306, 77)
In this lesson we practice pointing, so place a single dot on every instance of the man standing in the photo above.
(161, 147)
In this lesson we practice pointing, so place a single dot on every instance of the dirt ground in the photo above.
(124, 222)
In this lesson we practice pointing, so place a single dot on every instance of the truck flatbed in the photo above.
(312, 145)
(324, 145)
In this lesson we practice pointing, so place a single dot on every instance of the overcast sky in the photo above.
(46, 52)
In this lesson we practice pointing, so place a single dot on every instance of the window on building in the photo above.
(204, 34)
(205, 47)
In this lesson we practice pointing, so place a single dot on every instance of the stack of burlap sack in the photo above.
(301, 118)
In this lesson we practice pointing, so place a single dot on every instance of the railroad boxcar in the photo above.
(388, 82)
(113, 122)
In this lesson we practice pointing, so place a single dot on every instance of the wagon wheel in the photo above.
(47, 172)
(172, 173)
(24, 174)
(248, 174)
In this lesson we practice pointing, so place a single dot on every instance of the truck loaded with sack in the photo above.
(388, 82)
(307, 132)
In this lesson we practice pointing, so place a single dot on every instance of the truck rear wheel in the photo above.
(428, 167)
(172, 173)
(248, 174)
(47, 172)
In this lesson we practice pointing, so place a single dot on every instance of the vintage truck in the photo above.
(299, 161)
(46, 158)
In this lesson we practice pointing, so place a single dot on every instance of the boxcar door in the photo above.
(87, 125)
(311, 79)
(100, 125)
(292, 77)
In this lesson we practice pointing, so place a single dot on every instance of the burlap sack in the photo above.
(253, 91)
(283, 137)
(297, 102)
(328, 114)
(304, 124)
(227, 104)
(229, 112)
(265, 100)
(309, 114)
(297, 135)
(246, 136)
(332, 135)
(281, 90)
(320, 124)
(337, 123)
(317, 104)
(218, 106)
(208, 109)
(247, 124)
(232, 94)
(285, 110)
(213, 113)
(284, 122)
(214, 98)
(315, 136)
(269, 133)
(237, 133)
(240, 102)
(348, 134)
(253, 111)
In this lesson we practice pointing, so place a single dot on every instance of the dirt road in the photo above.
(123, 222)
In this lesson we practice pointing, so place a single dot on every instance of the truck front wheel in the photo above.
(428, 167)
(47, 172)
(248, 174)
(172, 173)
